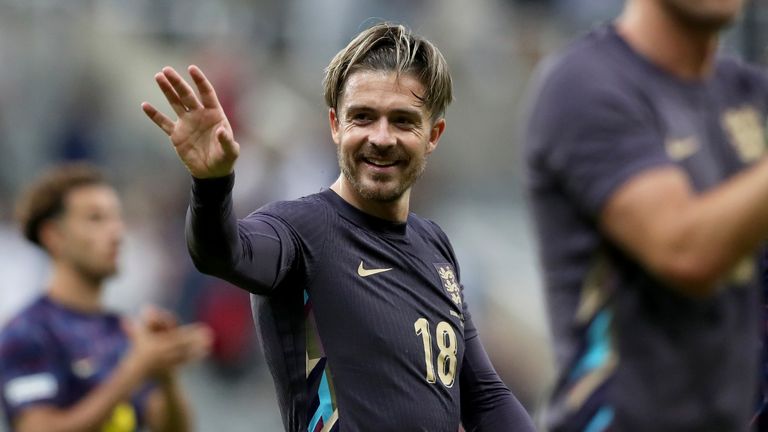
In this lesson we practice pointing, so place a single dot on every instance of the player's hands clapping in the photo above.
(201, 135)
(159, 344)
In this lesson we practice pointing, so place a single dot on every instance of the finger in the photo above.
(157, 319)
(198, 340)
(170, 94)
(228, 144)
(158, 118)
(185, 92)
(204, 87)
(167, 317)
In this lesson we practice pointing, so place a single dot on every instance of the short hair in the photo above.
(44, 199)
(392, 47)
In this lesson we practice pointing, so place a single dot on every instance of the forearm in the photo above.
(211, 227)
(246, 252)
(91, 412)
(487, 405)
(168, 410)
(715, 231)
(732, 219)
(690, 241)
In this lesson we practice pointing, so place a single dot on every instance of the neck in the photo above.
(74, 290)
(677, 47)
(395, 211)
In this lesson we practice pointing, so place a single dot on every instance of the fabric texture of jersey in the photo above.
(633, 354)
(52, 355)
(362, 320)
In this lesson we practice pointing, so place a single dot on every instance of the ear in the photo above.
(50, 237)
(335, 127)
(434, 134)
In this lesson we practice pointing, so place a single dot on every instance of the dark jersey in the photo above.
(51, 355)
(633, 354)
(363, 321)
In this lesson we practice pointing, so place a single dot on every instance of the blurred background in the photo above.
(73, 74)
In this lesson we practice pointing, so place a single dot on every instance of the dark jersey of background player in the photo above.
(760, 419)
(53, 355)
(362, 320)
(634, 355)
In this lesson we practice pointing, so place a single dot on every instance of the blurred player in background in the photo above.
(66, 363)
(360, 305)
(650, 191)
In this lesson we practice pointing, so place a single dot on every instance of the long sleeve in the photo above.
(247, 253)
(487, 405)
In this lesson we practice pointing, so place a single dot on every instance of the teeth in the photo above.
(380, 163)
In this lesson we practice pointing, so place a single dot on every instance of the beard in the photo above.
(380, 187)
(94, 272)
(694, 17)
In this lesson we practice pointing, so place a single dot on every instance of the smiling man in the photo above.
(358, 301)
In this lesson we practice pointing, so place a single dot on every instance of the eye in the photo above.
(96, 217)
(404, 122)
(360, 118)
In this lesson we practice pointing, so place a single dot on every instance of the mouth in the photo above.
(380, 163)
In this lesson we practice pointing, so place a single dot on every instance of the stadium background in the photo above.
(72, 76)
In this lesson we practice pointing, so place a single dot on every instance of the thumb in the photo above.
(128, 326)
(228, 144)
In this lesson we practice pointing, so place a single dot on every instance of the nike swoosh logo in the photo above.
(682, 148)
(369, 272)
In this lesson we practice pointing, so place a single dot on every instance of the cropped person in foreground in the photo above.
(649, 186)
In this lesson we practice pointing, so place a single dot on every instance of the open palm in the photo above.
(201, 134)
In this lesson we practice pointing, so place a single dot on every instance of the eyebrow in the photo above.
(401, 111)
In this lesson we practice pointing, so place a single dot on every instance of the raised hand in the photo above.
(201, 134)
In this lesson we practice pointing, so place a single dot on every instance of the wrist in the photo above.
(213, 188)
(135, 366)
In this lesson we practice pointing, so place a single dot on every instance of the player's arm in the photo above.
(487, 404)
(691, 241)
(149, 355)
(611, 160)
(87, 414)
(248, 253)
(245, 253)
(167, 410)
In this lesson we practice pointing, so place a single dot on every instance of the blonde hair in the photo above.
(392, 47)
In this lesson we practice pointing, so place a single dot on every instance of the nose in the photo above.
(381, 135)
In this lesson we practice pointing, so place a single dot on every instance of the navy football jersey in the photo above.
(53, 355)
(362, 320)
(634, 354)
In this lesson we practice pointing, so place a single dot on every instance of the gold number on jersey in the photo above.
(422, 328)
(446, 359)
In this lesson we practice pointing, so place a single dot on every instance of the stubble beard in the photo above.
(692, 18)
(383, 193)
(95, 274)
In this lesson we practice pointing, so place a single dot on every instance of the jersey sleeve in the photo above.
(590, 134)
(31, 370)
(487, 404)
(254, 253)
